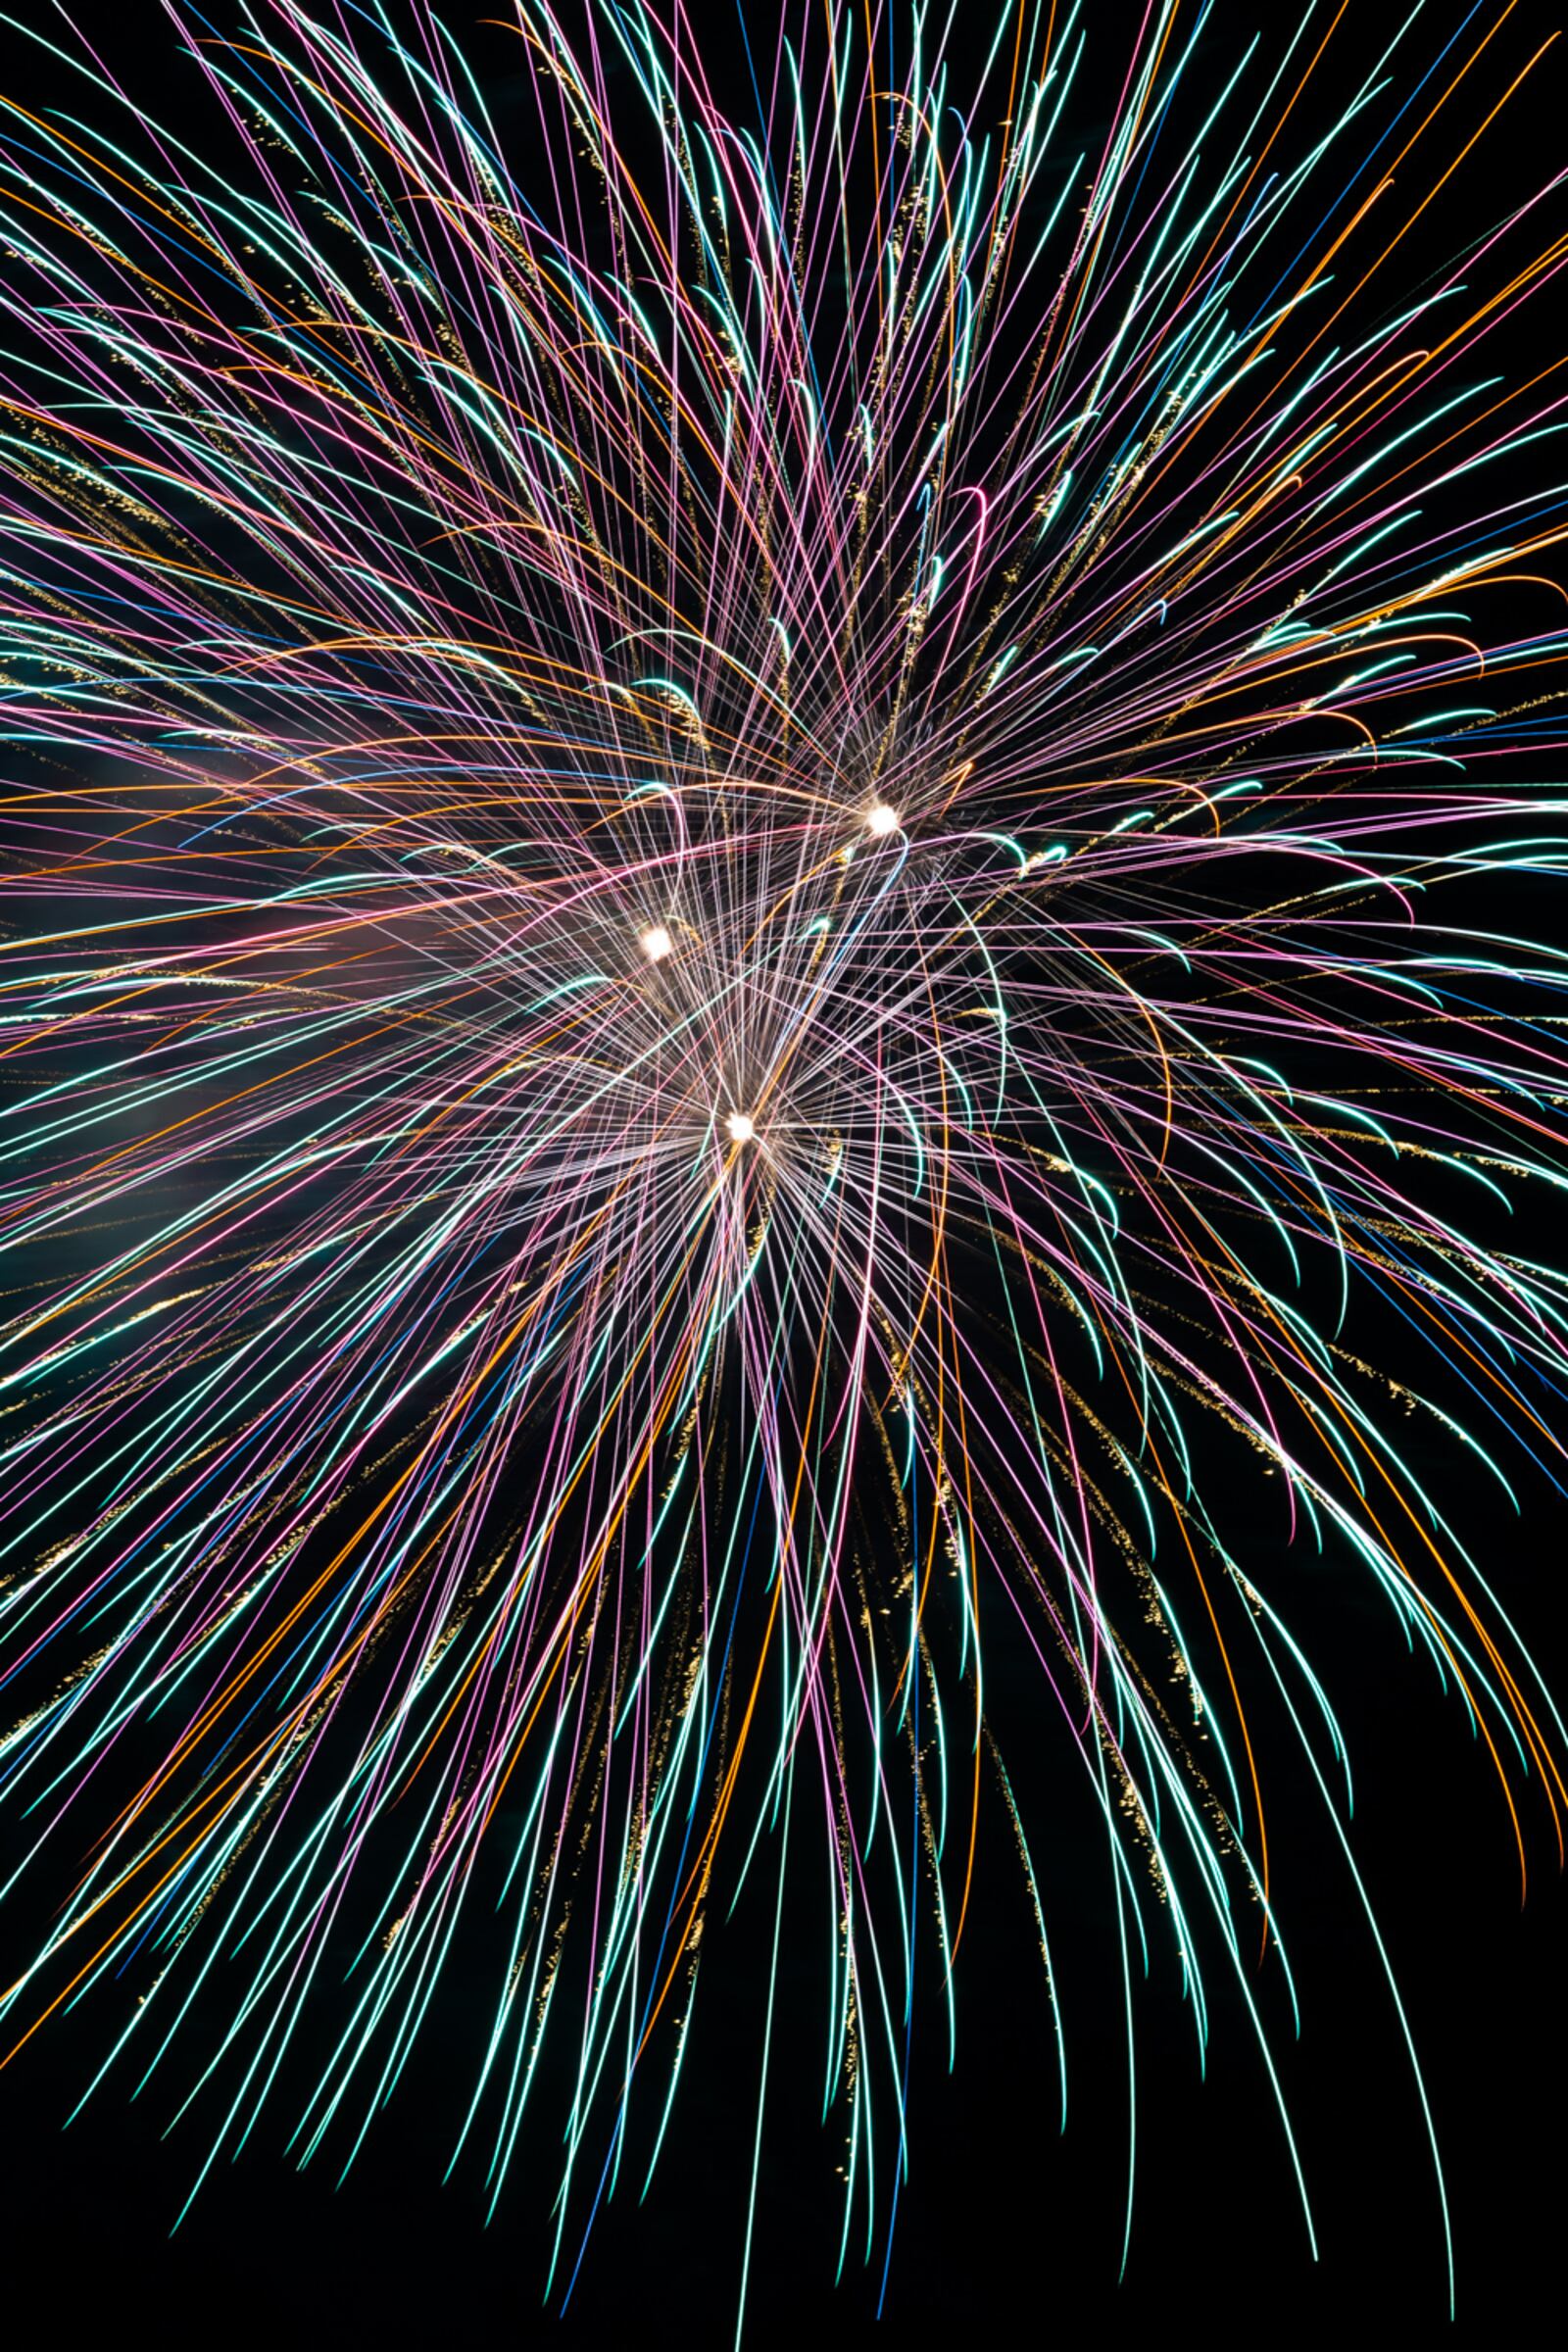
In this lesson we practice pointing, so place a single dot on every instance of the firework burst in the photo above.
(723, 980)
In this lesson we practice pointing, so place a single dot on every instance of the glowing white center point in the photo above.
(656, 944)
(739, 1128)
(882, 821)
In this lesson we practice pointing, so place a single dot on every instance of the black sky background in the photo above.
(1009, 2230)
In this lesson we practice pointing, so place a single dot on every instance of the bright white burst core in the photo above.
(882, 819)
(739, 1127)
(656, 944)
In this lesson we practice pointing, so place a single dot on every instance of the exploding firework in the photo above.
(747, 860)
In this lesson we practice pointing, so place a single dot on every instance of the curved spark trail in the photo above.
(751, 864)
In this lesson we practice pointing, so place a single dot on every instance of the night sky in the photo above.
(1009, 2229)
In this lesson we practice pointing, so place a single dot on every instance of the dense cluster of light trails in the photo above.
(749, 897)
